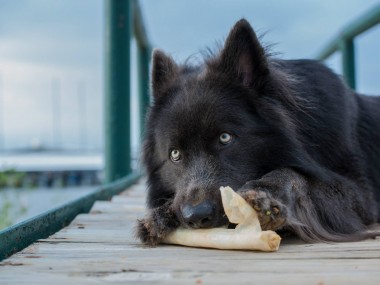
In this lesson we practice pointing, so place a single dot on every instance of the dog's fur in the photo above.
(305, 151)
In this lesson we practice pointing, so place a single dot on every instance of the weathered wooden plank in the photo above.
(128, 200)
(191, 277)
(83, 262)
(119, 250)
(169, 277)
(108, 207)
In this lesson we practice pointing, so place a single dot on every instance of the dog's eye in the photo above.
(175, 155)
(225, 138)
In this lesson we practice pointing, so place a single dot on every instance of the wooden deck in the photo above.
(99, 248)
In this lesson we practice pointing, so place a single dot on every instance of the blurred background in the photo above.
(52, 69)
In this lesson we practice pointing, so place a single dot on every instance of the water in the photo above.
(17, 205)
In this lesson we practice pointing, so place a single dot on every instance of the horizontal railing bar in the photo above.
(19, 236)
(360, 25)
(370, 19)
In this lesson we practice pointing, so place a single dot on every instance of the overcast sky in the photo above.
(61, 41)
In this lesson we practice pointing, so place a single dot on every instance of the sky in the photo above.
(51, 55)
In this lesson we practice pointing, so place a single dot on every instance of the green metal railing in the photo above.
(344, 42)
(123, 20)
(19, 236)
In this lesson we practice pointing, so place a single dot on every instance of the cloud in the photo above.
(300, 29)
(42, 41)
(28, 104)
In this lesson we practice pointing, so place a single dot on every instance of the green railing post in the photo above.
(348, 61)
(118, 29)
(143, 68)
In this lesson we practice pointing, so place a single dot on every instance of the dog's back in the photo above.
(340, 128)
(368, 132)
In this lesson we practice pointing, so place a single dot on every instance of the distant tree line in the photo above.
(12, 178)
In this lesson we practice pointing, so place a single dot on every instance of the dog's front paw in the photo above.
(271, 212)
(148, 232)
(157, 224)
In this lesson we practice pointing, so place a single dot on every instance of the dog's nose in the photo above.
(199, 216)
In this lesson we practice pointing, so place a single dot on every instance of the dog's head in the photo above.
(212, 125)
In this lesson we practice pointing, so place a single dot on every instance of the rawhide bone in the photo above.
(246, 236)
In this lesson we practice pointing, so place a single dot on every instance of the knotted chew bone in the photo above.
(246, 236)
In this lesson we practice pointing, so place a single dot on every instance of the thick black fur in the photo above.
(305, 150)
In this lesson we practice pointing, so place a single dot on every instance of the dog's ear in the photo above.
(243, 56)
(164, 70)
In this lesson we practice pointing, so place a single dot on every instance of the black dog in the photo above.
(288, 135)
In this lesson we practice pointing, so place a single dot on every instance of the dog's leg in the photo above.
(157, 224)
(334, 210)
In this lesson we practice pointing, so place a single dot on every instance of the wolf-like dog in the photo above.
(288, 135)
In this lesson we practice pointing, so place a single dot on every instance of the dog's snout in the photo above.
(200, 215)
